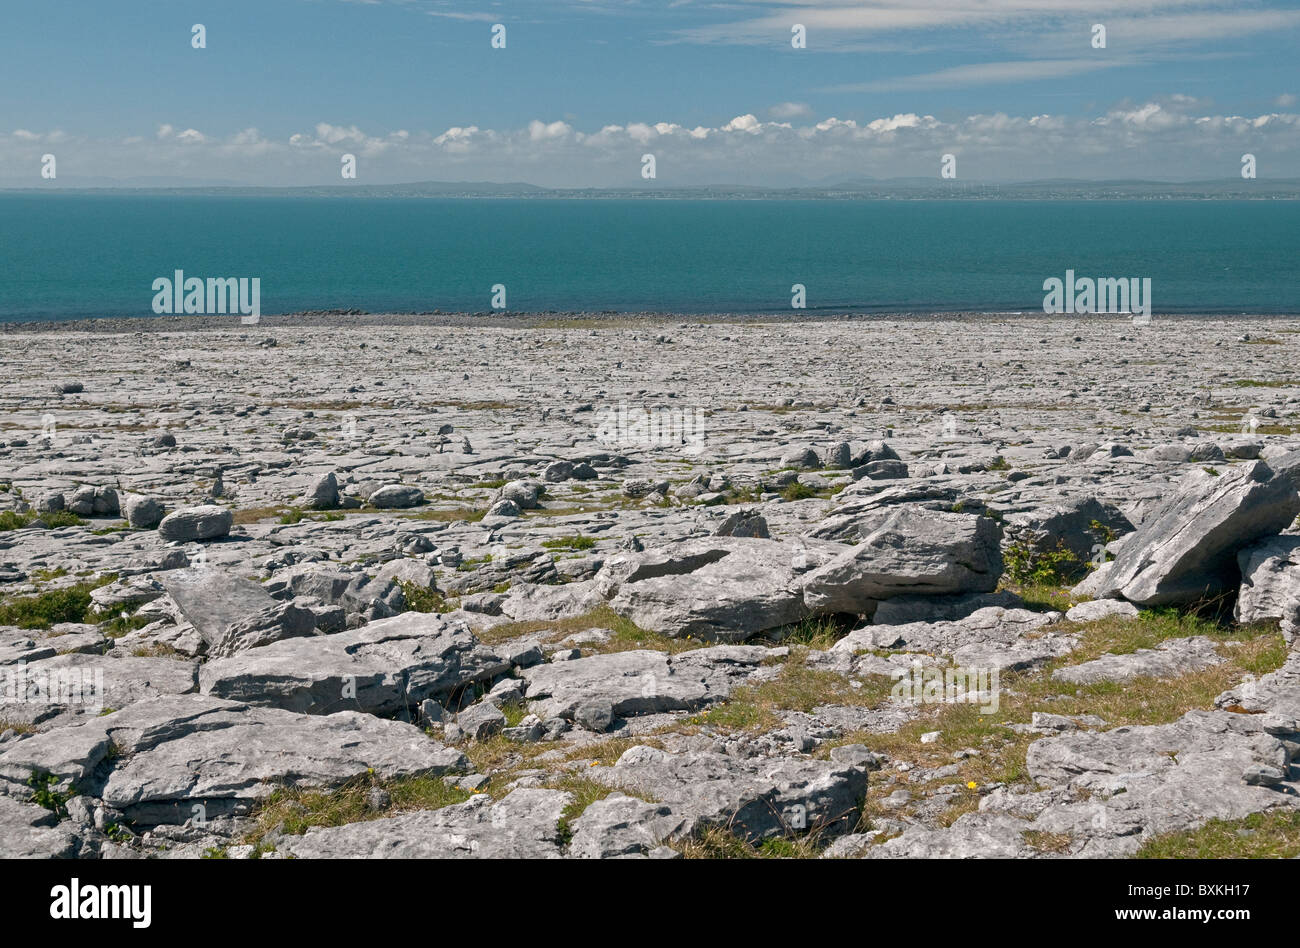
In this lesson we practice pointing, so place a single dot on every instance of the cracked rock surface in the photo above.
(365, 587)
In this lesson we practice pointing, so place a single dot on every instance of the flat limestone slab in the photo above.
(159, 759)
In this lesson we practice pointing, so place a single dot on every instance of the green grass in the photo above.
(739, 494)
(1043, 597)
(71, 604)
(12, 520)
(816, 632)
(755, 708)
(1254, 650)
(1271, 835)
(295, 811)
(625, 635)
(462, 514)
(796, 491)
(716, 842)
(585, 792)
(255, 514)
(576, 542)
(123, 621)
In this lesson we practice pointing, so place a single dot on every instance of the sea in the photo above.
(79, 255)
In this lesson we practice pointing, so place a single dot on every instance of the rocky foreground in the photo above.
(1001, 587)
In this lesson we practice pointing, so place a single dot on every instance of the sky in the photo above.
(1015, 90)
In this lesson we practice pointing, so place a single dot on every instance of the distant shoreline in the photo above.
(565, 320)
(1280, 189)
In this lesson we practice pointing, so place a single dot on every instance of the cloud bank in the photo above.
(1171, 139)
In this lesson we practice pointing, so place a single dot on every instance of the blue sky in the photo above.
(583, 88)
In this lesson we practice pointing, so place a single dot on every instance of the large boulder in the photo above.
(143, 513)
(324, 493)
(538, 602)
(526, 494)
(1270, 579)
(867, 504)
(396, 496)
(1187, 550)
(386, 667)
(1169, 777)
(717, 588)
(208, 522)
(232, 613)
(744, 523)
(914, 551)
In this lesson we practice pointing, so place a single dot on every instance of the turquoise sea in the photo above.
(65, 256)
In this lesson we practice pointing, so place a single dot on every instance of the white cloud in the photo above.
(789, 110)
(1170, 138)
(988, 73)
(839, 24)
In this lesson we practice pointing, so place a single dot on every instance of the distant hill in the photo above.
(1287, 189)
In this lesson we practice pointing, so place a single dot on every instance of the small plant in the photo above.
(118, 834)
(123, 622)
(420, 599)
(796, 491)
(1103, 532)
(45, 793)
(1026, 565)
(12, 520)
(743, 495)
(291, 516)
